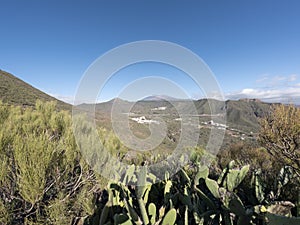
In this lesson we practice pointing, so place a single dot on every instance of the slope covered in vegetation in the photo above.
(17, 92)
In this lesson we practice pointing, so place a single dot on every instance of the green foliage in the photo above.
(257, 157)
(42, 173)
(137, 204)
(280, 134)
(231, 178)
(170, 217)
(152, 213)
(4, 214)
(191, 197)
(86, 200)
(32, 156)
(183, 200)
(3, 167)
(268, 180)
(57, 211)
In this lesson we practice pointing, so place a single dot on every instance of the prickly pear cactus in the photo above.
(170, 217)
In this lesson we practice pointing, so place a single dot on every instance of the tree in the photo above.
(280, 135)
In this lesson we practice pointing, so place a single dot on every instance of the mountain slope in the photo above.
(17, 92)
(240, 114)
(245, 113)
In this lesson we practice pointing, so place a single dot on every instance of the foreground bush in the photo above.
(43, 179)
(280, 135)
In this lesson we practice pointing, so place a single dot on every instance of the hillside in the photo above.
(17, 92)
(240, 114)
(244, 114)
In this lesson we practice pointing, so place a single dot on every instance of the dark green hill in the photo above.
(17, 92)
(241, 114)
(244, 114)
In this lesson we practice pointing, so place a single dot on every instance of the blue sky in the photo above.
(252, 47)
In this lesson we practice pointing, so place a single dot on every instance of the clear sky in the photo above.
(252, 47)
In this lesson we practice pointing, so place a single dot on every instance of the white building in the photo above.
(143, 120)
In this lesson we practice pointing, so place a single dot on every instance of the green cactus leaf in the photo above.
(243, 172)
(231, 180)
(152, 177)
(146, 193)
(152, 213)
(235, 177)
(213, 187)
(202, 173)
(259, 193)
(170, 217)
(168, 186)
(186, 216)
(128, 222)
(225, 172)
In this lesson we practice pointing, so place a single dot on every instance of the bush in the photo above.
(42, 173)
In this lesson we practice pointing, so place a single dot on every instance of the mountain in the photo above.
(160, 98)
(240, 114)
(17, 92)
(245, 113)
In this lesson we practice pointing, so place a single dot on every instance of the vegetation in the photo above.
(45, 180)
(16, 92)
(280, 134)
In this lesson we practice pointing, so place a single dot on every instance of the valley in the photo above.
(238, 119)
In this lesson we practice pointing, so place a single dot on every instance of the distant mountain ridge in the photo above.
(160, 98)
(240, 114)
(14, 91)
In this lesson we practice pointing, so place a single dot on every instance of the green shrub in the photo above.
(42, 172)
